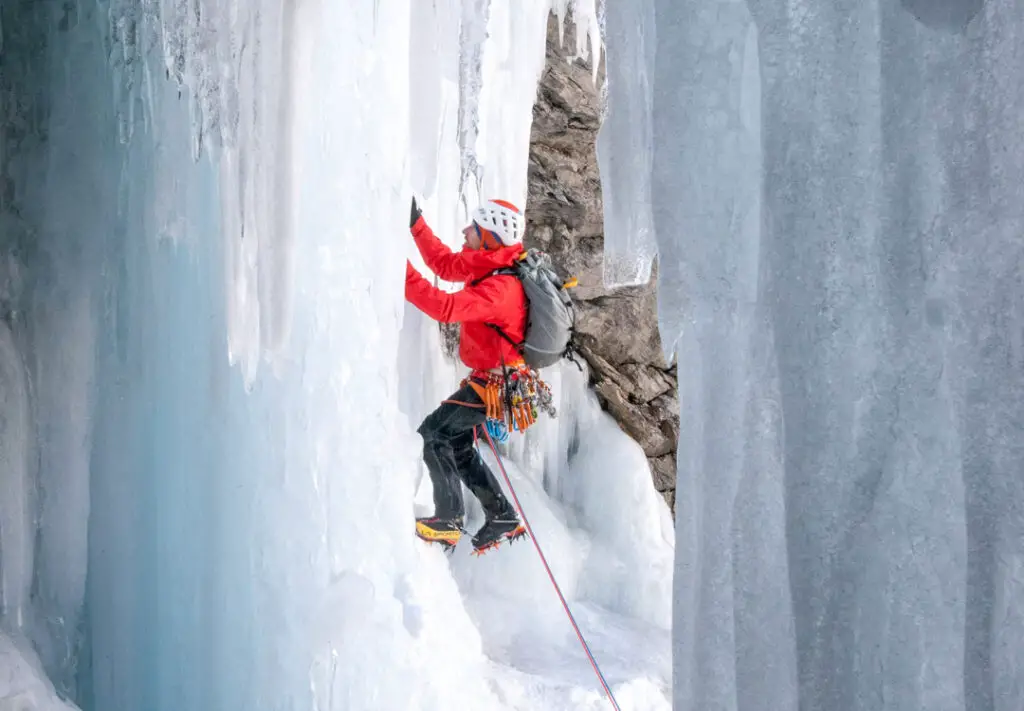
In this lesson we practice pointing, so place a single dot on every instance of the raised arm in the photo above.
(441, 260)
(473, 303)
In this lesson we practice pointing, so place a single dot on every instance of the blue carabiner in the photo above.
(498, 430)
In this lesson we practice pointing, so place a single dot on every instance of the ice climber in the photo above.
(491, 309)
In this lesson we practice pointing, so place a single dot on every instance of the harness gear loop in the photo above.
(513, 399)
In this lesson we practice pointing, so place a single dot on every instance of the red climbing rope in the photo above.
(536, 543)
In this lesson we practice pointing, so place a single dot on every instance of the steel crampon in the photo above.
(510, 537)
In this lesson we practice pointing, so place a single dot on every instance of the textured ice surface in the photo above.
(221, 468)
(624, 146)
(23, 684)
(17, 481)
(839, 201)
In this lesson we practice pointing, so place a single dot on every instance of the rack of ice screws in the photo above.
(528, 395)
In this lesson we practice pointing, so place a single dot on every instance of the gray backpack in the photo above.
(551, 318)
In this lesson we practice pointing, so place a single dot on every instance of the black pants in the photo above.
(451, 457)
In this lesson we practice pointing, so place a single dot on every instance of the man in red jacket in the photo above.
(493, 241)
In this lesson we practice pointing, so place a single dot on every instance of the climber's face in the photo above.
(471, 233)
(479, 238)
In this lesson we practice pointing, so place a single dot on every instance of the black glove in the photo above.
(415, 214)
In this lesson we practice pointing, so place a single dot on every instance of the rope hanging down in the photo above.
(551, 576)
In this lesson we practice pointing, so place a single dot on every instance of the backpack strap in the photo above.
(503, 271)
(500, 332)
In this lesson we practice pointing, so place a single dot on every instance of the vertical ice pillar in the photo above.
(433, 73)
(734, 641)
(232, 62)
(17, 504)
(472, 36)
(624, 145)
(512, 64)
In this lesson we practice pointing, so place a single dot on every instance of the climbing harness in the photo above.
(513, 400)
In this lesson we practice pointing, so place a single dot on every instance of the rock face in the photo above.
(619, 329)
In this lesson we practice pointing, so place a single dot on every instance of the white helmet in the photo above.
(502, 219)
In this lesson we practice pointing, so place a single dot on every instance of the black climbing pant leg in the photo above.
(451, 457)
(479, 478)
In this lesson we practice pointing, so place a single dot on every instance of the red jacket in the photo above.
(499, 300)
